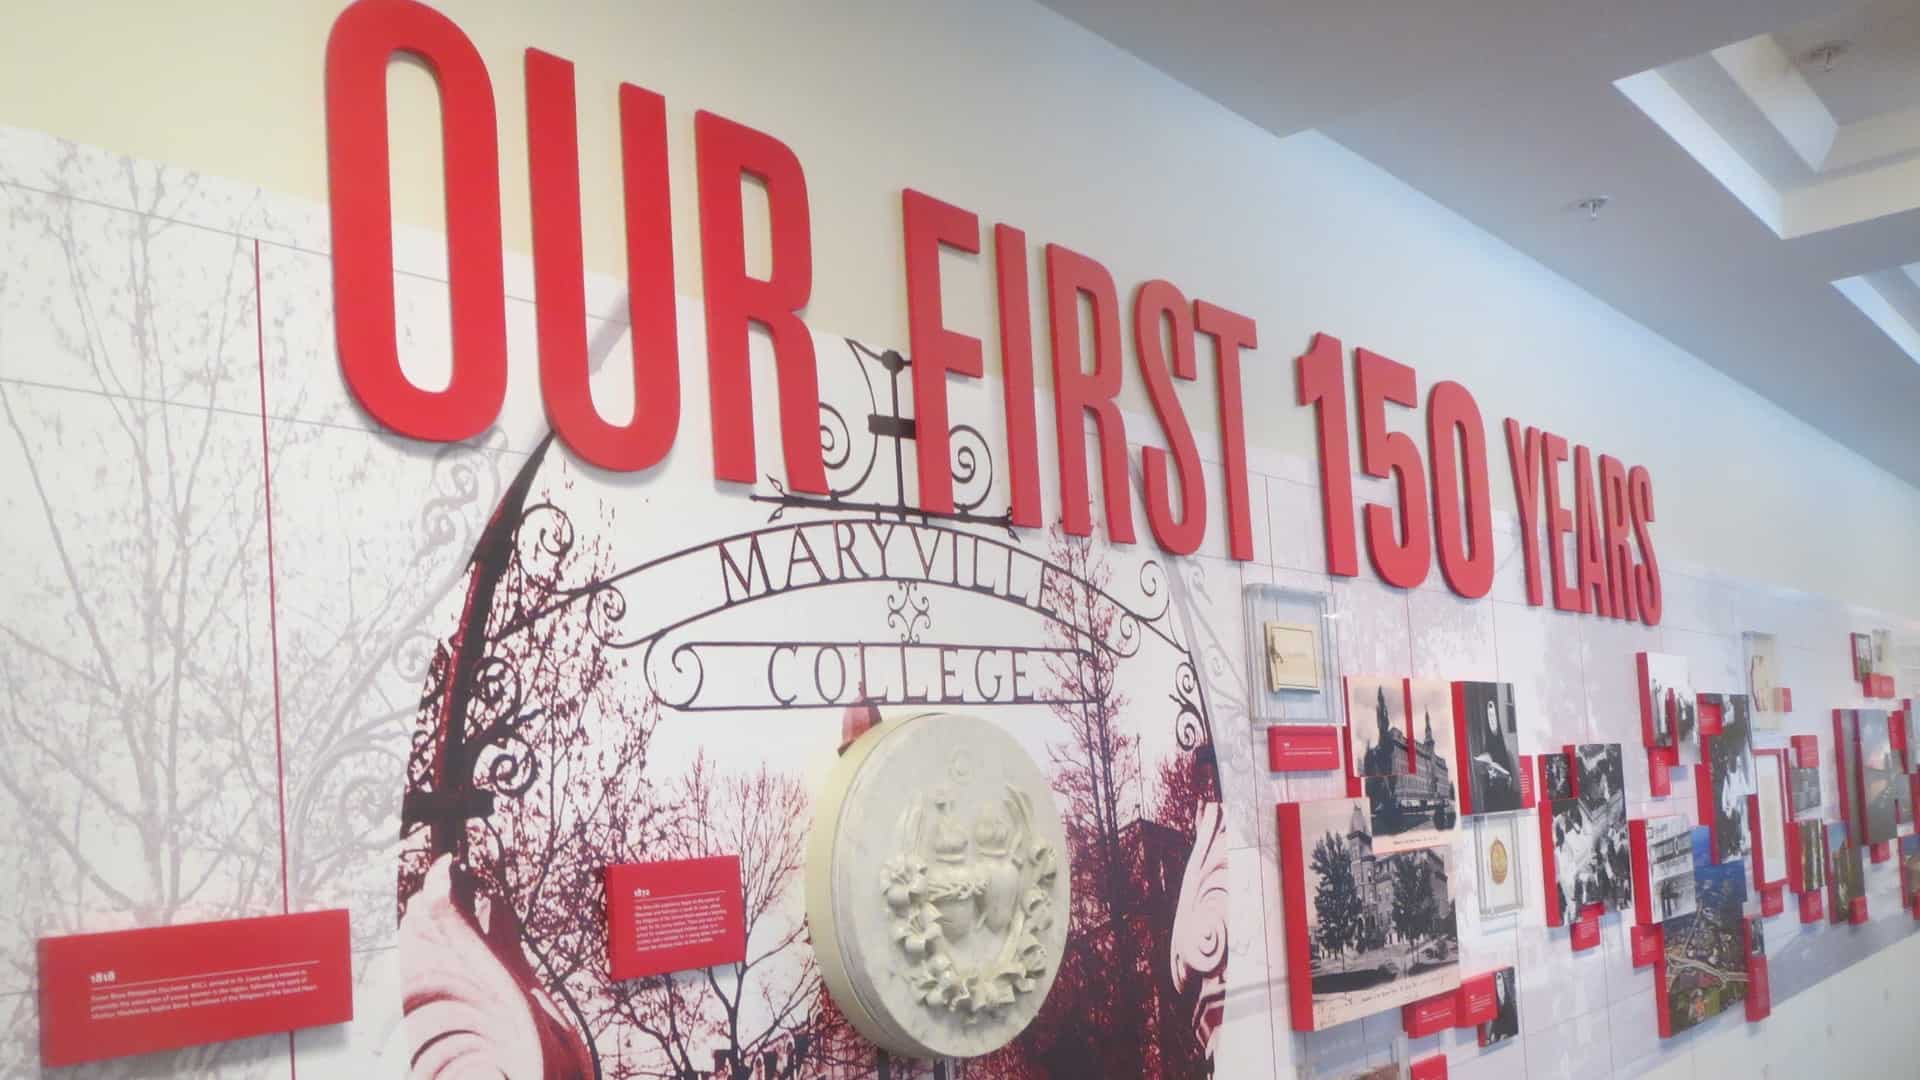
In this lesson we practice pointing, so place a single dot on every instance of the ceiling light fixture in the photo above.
(1592, 204)
(1825, 54)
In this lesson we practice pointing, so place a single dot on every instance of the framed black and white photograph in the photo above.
(1556, 776)
(1730, 772)
(1492, 745)
(1506, 1017)
(1665, 688)
(1381, 929)
(1602, 791)
(1377, 726)
(1419, 808)
(1497, 863)
(1670, 866)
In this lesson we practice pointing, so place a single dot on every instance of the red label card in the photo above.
(1786, 699)
(1773, 899)
(1433, 1068)
(1857, 911)
(1586, 932)
(1806, 749)
(1428, 1015)
(1303, 747)
(1759, 990)
(1660, 763)
(1812, 907)
(137, 991)
(1648, 941)
(1476, 1002)
(675, 916)
(1881, 851)
(1526, 781)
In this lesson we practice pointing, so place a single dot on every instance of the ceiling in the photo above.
(1762, 206)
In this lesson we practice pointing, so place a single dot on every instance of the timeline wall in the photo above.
(233, 599)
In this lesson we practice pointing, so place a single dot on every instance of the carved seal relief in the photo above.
(937, 886)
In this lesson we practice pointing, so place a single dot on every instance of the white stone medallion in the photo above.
(937, 886)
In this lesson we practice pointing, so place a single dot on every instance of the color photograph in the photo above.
(1377, 725)
(1769, 792)
(1381, 930)
(1493, 740)
(1730, 771)
(1813, 855)
(1506, 1018)
(1846, 876)
(1420, 808)
(1876, 776)
(1704, 969)
(1804, 788)
(1909, 871)
(1670, 866)
(1497, 851)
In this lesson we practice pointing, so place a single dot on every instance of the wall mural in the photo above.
(263, 656)
(573, 651)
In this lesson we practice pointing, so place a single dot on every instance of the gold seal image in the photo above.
(1497, 860)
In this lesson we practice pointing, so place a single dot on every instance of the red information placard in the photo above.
(1303, 747)
(1585, 933)
(1428, 1015)
(1759, 988)
(675, 916)
(1477, 1001)
(1526, 782)
(1647, 944)
(1813, 906)
(1433, 1068)
(138, 991)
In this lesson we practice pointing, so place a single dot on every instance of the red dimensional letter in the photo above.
(1592, 560)
(1157, 303)
(553, 158)
(1078, 392)
(1400, 559)
(1320, 380)
(1523, 453)
(1232, 332)
(727, 151)
(928, 223)
(1618, 537)
(1553, 451)
(364, 38)
(1647, 574)
(1466, 553)
(1016, 363)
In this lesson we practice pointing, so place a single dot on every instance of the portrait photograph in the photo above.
(1492, 740)
(1506, 1017)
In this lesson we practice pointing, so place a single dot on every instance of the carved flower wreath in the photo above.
(913, 898)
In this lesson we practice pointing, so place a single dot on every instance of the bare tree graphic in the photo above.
(135, 694)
